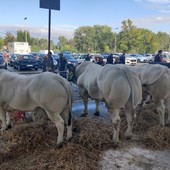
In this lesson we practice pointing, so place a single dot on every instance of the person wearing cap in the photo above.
(158, 57)
(62, 66)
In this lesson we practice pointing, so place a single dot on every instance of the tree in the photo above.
(136, 40)
(1, 43)
(8, 38)
(62, 41)
(23, 36)
(164, 41)
(93, 39)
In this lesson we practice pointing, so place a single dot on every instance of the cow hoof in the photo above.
(60, 145)
(69, 139)
(128, 136)
(9, 127)
(97, 113)
(84, 115)
(115, 144)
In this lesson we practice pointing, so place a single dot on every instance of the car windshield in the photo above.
(69, 57)
(55, 56)
(27, 57)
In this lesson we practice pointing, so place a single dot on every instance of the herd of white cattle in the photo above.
(119, 86)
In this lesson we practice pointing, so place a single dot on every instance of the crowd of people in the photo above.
(110, 59)
(48, 64)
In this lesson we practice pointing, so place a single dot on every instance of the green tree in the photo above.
(1, 43)
(23, 36)
(8, 38)
(163, 40)
(62, 41)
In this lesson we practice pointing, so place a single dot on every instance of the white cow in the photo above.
(155, 80)
(116, 85)
(27, 93)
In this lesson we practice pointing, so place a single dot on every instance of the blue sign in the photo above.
(50, 4)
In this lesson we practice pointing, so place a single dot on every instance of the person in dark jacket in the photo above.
(158, 57)
(122, 58)
(44, 65)
(87, 57)
(50, 64)
(62, 66)
(110, 59)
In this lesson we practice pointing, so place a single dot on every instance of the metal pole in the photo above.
(49, 31)
(25, 30)
(115, 43)
(25, 35)
(115, 39)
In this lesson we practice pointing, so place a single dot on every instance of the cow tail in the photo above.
(128, 74)
(69, 91)
(70, 101)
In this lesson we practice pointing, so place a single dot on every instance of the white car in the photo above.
(132, 61)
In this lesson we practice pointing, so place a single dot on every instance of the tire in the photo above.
(36, 69)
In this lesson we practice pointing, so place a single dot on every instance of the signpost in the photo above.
(50, 4)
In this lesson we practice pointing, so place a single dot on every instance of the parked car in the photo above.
(166, 57)
(70, 60)
(150, 57)
(140, 58)
(12, 59)
(80, 58)
(3, 63)
(40, 60)
(129, 60)
(104, 56)
(25, 61)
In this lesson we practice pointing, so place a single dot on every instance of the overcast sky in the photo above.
(150, 14)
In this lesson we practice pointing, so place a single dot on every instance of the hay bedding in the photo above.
(33, 146)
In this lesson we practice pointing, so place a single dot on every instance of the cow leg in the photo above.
(8, 118)
(69, 127)
(161, 110)
(97, 113)
(84, 95)
(129, 112)
(66, 115)
(116, 124)
(85, 101)
(59, 122)
(168, 107)
(3, 119)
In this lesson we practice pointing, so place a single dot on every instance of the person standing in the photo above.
(62, 66)
(44, 63)
(122, 58)
(110, 59)
(50, 64)
(158, 57)
(87, 57)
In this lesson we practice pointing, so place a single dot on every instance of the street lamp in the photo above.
(115, 40)
(25, 31)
